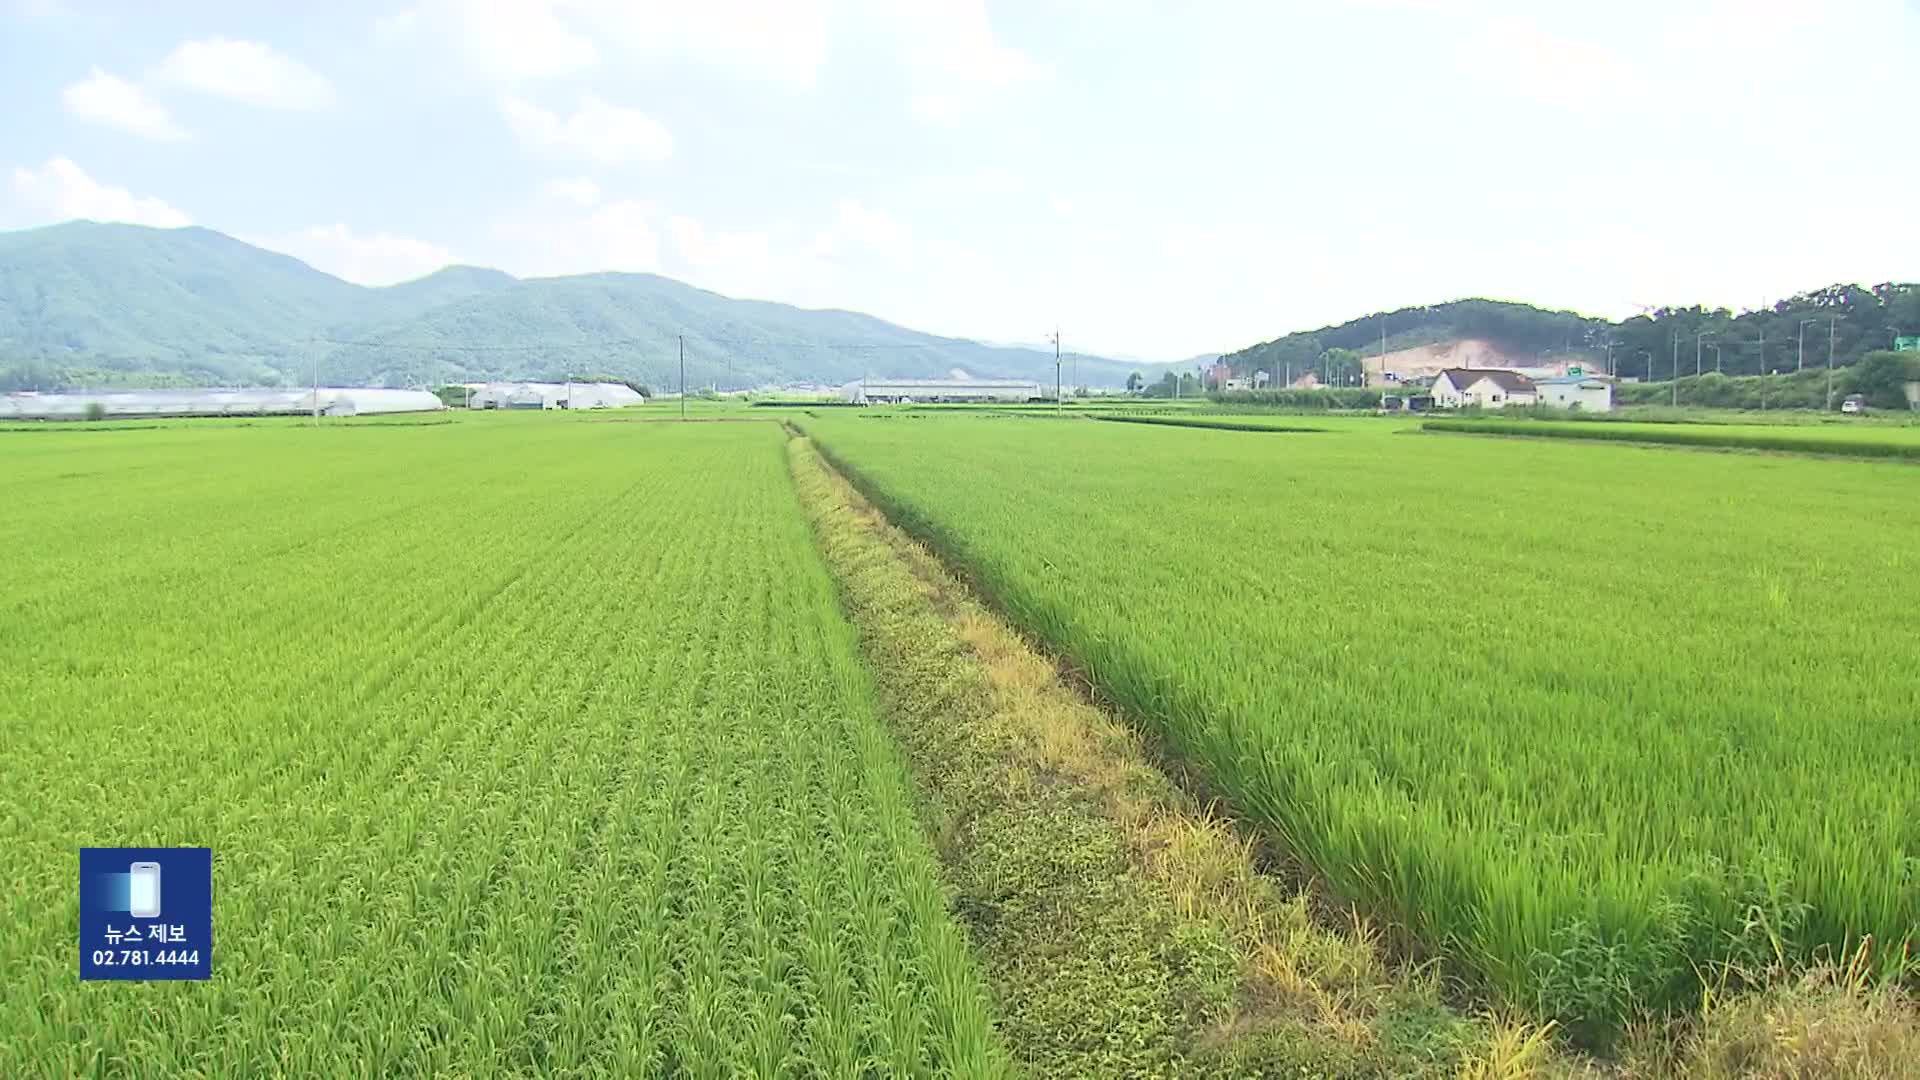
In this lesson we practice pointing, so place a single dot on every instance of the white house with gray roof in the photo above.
(1485, 388)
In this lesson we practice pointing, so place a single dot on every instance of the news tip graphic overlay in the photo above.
(146, 913)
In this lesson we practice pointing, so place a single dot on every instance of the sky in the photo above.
(1154, 179)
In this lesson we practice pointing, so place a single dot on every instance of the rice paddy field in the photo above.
(523, 746)
(1592, 723)
(538, 744)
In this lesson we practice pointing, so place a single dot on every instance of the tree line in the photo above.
(1839, 324)
(1792, 334)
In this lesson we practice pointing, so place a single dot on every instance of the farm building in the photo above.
(333, 401)
(865, 391)
(550, 395)
(1486, 388)
(1585, 393)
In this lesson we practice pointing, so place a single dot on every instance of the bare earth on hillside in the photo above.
(1425, 360)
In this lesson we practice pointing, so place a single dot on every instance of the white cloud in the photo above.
(956, 37)
(1092, 213)
(596, 130)
(782, 41)
(580, 191)
(781, 261)
(732, 262)
(955, 60)
(1561, 70)
(389, 29)
(858, 230)
(60, 191)
(248, 71)
(379, 258)
(110, 100)
(618, 235)
(947, 49)
(974, 184)
(504, 39)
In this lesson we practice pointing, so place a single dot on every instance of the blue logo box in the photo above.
(146, 913)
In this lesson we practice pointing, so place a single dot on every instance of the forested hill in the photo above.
(1754, 342)
(87, 304)
(1515, 327)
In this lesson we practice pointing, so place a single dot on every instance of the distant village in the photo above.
(1426, 380)
(1563, 385)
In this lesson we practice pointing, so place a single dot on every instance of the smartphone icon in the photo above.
(143, 890)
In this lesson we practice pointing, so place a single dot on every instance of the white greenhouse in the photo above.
(333, 401)
(869, 391)
(545, 395)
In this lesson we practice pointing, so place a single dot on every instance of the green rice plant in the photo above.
(525, 746)
(1590, 723)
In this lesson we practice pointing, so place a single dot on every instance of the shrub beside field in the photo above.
(1591, 737)
(1319, 399)
(1880, 377)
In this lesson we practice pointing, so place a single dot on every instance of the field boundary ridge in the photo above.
(1125, 926)
(1681, 436)
(1215, 425)
(1829, 1019)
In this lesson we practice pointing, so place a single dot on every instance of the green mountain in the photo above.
(189, 302)
(634, 325)
(443, 286)
(88, 304)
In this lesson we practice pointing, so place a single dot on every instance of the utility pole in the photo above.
(1762, 369)
(683, 376)
(1675, 337)
(1697, 339)
(1057, 404)
(1833, 323)
(1802, 365)
(315, 346)
(1610, 347)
